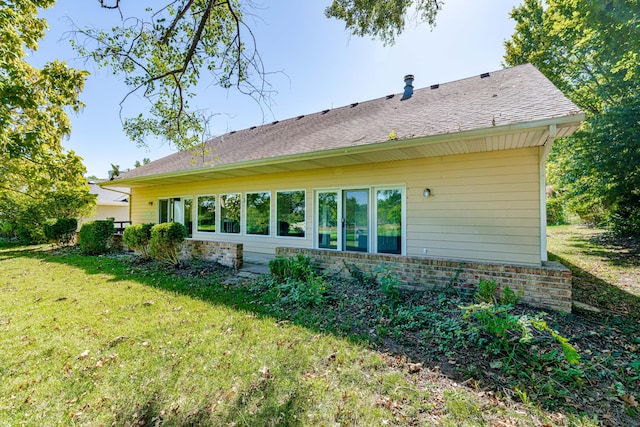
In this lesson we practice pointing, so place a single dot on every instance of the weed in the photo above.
(389, 285)
(296, 282)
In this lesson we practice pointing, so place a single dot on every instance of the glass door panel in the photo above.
(356, 220)
(328, 220)
(389, 221)
(188, 215)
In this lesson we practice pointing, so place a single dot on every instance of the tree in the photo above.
(174, 45)
(38, 178)
(591, 51)
(145, 161)
(167, 52)
(381, 18)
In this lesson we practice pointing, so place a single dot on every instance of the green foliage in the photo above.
(296, 282)
(94, 236)
(61, 231)
(167, 52)
(589, 50)
(39, 180)
(138, 238)
(509, 331)
(556, 211)
(488, 292)
(166, 242)
(384, 19)
(389, 285)
(296, 268)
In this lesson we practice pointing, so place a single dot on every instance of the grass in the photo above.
(606, 270)
(100, 341)
(107, 340)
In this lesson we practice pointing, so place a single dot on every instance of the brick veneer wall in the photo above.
(225, 253)
(547, 286)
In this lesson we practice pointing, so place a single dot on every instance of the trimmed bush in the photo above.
(61, 231)
(94, 236)
(138, 238)
(166, 242)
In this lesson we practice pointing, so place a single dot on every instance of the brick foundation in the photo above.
(224, 253)
(546, 286)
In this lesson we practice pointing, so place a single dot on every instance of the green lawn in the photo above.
(606, 270)
(100, 341)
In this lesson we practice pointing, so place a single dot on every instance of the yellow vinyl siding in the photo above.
(485, 206)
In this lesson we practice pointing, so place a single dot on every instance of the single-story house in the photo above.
(111, 202)
(443, 184)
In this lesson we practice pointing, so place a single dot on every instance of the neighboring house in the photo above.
(453, 172)
(112, 202)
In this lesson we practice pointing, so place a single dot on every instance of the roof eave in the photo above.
(573, 119)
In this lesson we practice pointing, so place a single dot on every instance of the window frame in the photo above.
(269, 216)
(170, 212)
(221, 220)
(215, 214)
(277, 220)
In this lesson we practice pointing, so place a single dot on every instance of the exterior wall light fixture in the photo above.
(426, 192)
(150, 203)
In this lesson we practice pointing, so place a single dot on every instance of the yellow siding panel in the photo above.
(485, 206)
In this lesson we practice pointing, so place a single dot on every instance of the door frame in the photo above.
(372, 216)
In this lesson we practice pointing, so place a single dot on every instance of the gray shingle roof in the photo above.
(509, 96)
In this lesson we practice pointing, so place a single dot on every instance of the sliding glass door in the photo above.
(360, 220)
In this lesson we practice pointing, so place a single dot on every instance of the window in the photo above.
(230, 213)
(207, 214)
(291, 213)
(389, 220)
(177, 209)
(258, 212)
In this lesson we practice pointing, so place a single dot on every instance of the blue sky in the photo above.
(316, 65)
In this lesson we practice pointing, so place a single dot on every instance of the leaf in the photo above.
(629, 400)
(496, 364)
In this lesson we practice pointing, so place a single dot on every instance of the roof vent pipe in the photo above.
(408, 87)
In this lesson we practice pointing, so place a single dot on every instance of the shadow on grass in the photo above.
(271, 405)
(615, 251)
(460, 363)
(601, 294)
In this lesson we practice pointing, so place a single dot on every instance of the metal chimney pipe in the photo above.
(408, 87)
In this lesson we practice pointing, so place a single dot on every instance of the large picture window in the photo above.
(230, 212)
(207, 214)
(258, 212)
(291, 213)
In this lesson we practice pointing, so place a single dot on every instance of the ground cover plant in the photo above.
(110, 339)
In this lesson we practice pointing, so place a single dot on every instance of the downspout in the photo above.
(544, 154)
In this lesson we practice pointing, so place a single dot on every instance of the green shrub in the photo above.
(296, 282)
(389, 285)
(61, 231)
(488, 292)
(510, 333)
(166, 242)
(94, 236)
(296, 268)
(556, 211)
(138, 238)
